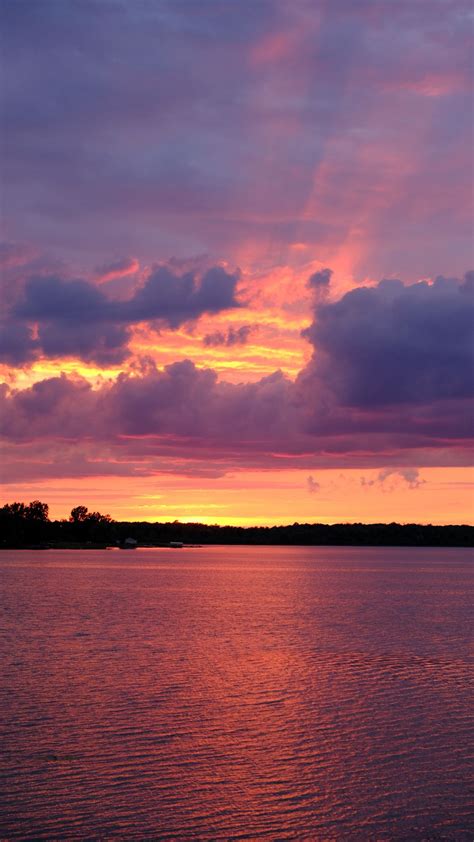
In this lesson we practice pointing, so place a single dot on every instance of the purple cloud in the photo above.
(184, 415)
(17, 345)
(76, 318)
(55, 299)
(400, 357)
(168, 150)
(320, 280)
(117, 269)
(312, 485)
(174, 299)
(395, 344)
(411, 477)
(233, 336)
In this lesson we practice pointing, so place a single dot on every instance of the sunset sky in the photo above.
(237, 237)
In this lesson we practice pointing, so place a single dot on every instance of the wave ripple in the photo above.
(236, 693)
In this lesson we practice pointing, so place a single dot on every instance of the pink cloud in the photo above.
(118, 269)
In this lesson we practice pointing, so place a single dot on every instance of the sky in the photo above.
(236, 259)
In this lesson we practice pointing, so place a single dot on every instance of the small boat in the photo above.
(177, 545)
(129, 544)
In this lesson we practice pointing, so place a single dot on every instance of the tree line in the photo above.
(24, 524)
(28, 525)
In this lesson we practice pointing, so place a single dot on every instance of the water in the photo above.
(236, 693)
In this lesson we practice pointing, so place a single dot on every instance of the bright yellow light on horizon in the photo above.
(444, 495)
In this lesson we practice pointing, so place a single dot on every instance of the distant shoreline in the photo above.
(308, 535)
(29, 527)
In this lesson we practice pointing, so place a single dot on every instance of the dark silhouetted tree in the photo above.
(78, 514)
(98, 527)
(21, 524)
(36, 510)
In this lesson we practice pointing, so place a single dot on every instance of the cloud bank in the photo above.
(390, 381)
(76, 318)
(395, 344)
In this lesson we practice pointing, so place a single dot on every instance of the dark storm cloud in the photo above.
(76, 318)
(18, 263)
(181, 401)
(319, 283)
(51, 298)
(320, 280)
(399, 357)
(183, 411)
(383, 351)
(101, 342)
(233, 336)
(178, 299)
(187, 402)
(170, 298)
(17, 345)
(47, 407)
(395, 344)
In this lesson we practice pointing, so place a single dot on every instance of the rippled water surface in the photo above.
(236, 693)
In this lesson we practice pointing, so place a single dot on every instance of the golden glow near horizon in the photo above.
(247, 498)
